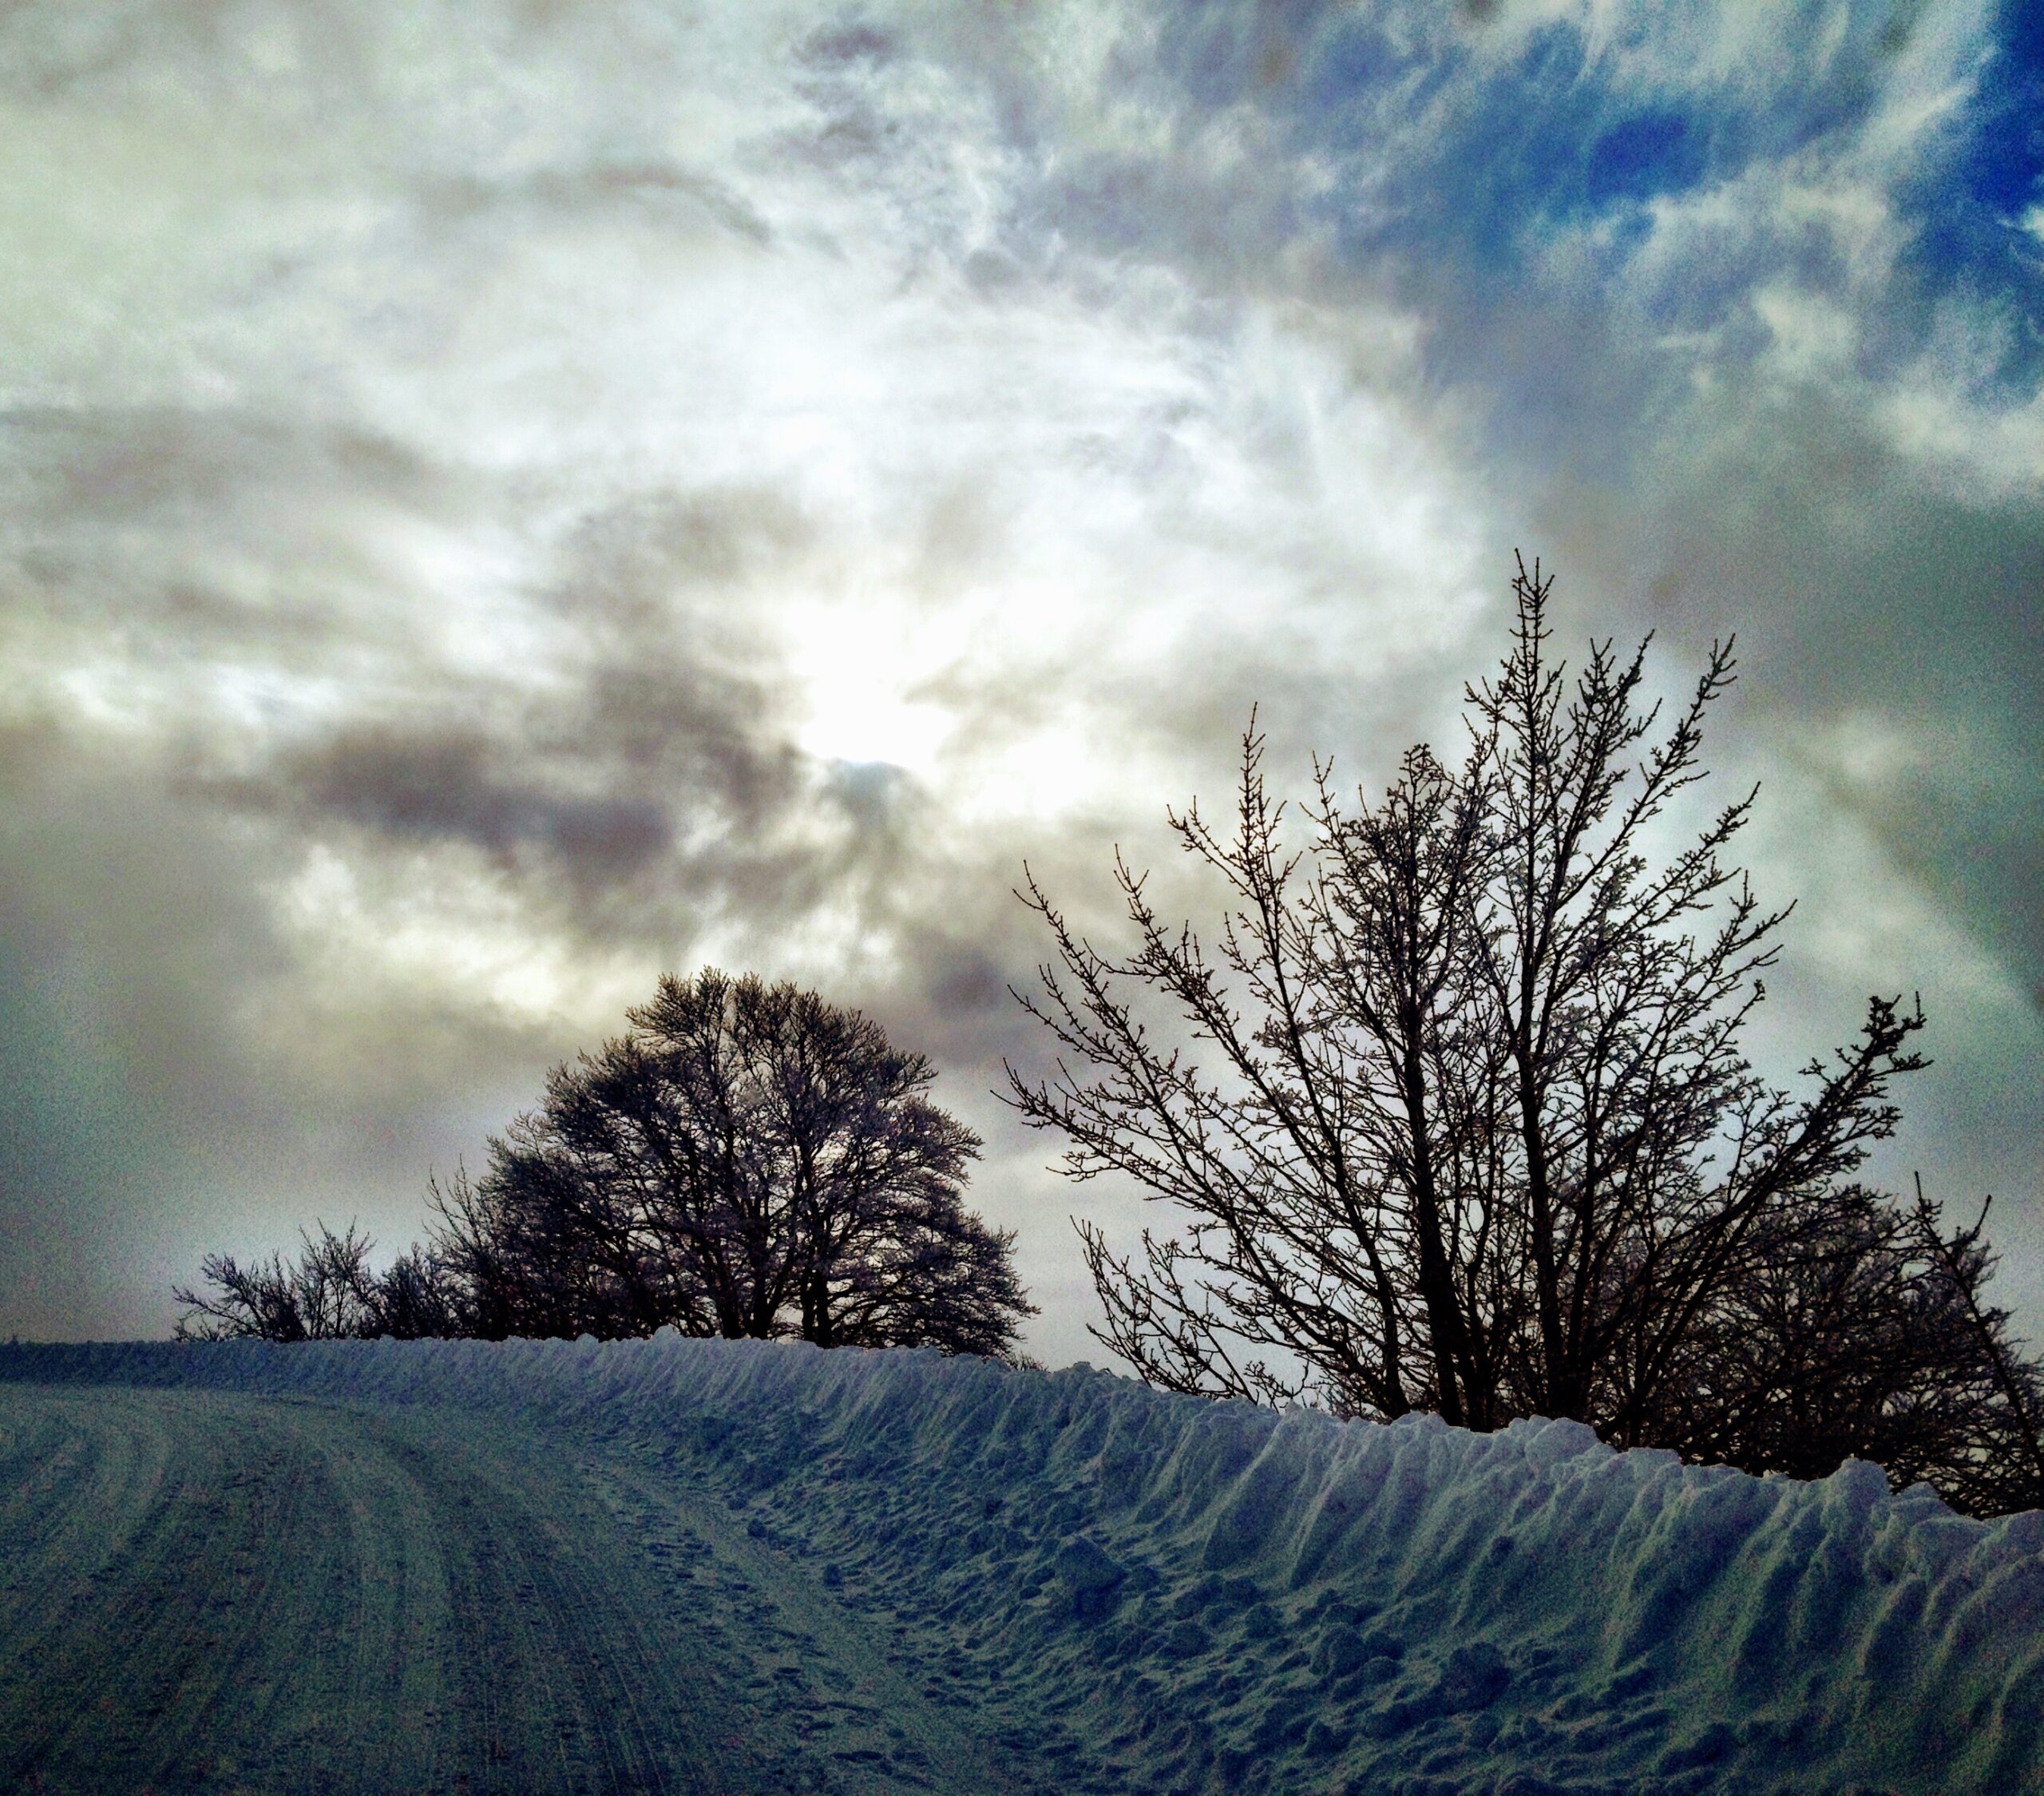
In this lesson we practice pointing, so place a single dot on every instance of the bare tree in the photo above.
(1460, 1118)
(1993, 1413)
(329, 1293)
(749, 1160)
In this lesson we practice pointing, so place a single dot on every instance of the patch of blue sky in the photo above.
(1549, 138)
(1517, 183)
(1471, 166)
(1487, 163)
(1650, 152)
(1356, 56)
(2001, 168)
(1978, 211)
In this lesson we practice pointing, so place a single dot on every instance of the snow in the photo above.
(894, 1571)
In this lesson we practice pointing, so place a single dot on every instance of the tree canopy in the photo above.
(746, 1160)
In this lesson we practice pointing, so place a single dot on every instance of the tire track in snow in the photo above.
(137, 1607)
(210, 1592)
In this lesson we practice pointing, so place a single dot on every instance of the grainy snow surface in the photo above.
(677, 1565)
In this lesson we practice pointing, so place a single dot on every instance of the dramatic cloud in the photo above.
(498, 501)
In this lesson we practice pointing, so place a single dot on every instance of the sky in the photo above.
(499, 501)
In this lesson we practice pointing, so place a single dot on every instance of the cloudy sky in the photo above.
(499, 500)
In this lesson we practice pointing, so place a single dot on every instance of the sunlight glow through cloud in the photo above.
(502, 501)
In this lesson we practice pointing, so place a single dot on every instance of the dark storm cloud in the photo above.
(643, 723)
(682, 198)
(441, 786)
(67, 469)
(188, 536)
(679, 701)
(853, 43)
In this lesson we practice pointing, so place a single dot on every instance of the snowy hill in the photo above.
(1034, 1581)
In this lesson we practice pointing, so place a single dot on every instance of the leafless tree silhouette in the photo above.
(747, 1160)
(1455, 1116)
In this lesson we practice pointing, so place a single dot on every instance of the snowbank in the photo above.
(1194, 1594)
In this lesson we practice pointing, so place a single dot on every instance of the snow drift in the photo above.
(1163, 1593)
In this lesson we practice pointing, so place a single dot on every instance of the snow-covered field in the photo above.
(676, 1565)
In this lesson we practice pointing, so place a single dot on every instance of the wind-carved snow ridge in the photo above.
(1148, 1592)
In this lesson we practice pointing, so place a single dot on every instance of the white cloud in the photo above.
(711, 409)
